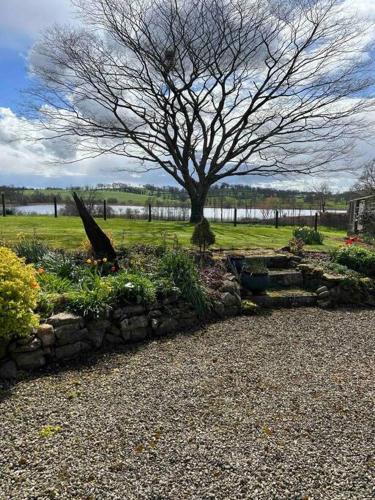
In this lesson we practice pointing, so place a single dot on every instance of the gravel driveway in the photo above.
(266, 407)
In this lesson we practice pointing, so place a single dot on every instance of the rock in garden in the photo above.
(322, 289)
(8, 370)
(29, 360)
(230, 299)
(134, 323)
(139, 334)
(230, 287)
(25, 345)
(219, 308)
(71, 351)
(69, 334)
(65, 318)
(46, 334)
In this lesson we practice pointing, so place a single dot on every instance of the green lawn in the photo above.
(67, 232)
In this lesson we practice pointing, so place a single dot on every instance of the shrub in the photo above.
(92, 300)
(31, 249)
(296, 246)
(356, 257)
(61, 264)
(18, 295)
(131, 287)
(308, 235)
(179, 268)
(203, 236)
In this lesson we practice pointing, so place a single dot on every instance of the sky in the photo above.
(27, 164)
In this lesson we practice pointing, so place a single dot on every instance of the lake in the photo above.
(225, 214)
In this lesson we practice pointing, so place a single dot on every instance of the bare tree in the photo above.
(322, 191)
(206, 89)
(366, 182)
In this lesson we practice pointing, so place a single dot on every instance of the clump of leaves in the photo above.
(308, 235)
(49, 431)
(133, 288)
(203, 236)
(178, 267)
(31, 248)
(357, 258)
(296, 246)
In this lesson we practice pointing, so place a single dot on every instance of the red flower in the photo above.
(113, 269)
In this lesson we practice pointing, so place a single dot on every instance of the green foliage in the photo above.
(179, 268)
(52, 283)
(91, 300)
(356, 257)
(60, 263)
(256, 266)
(203, 236)
(30, 248)
(296, 246)
(49, 431)
(308, 235)
(18, 296)
(133, 288)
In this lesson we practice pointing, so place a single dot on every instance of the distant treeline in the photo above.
(221, 195)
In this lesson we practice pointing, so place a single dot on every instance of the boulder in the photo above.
(46, 334)
(133, 323)
(25, 345)
(96, 332)
(69, 334)
(29, 360)
(139, 334)
(219, 308)
(230, 300)
(70, 351)
(113, 339)
(230, 287)
(167, 325)
(65, 318)
(8, 370)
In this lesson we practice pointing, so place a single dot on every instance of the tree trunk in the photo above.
(198, 202)
(100, 242)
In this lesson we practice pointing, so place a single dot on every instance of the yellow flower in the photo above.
(105, 259)
(88, 261)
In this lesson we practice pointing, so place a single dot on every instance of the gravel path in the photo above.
(267, 407)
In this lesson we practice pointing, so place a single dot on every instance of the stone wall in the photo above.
(333, 289)
(65, 336)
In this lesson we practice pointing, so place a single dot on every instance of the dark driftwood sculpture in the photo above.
(100, 242)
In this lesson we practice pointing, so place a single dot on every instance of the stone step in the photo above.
(295, 297)
(272, 261)
(285, 278)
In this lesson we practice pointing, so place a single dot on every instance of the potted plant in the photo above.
(255, 276)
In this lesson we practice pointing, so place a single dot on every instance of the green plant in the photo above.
(256, 266)
(356, 257)
(90, 301)
(18, 296)
(52, 283)
(131, 287)
(60, 263)
(296, 246)
(308, 235)
(179, 268)
(30, 248)
(203, 236)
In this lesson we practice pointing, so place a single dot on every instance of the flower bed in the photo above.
(85, 304)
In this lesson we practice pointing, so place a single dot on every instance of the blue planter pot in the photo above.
(255, 282)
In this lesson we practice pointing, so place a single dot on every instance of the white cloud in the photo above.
(21, 21)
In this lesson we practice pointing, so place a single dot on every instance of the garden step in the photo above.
(273, 261)
(285, 277)
(295, 297)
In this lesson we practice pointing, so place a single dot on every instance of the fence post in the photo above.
(277, 219)
(55, 205)
(149, 212)
(3, 204)
(105, 209)
(316, 221)
(235, 217)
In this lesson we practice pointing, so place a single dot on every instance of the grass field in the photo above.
(68, 233)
